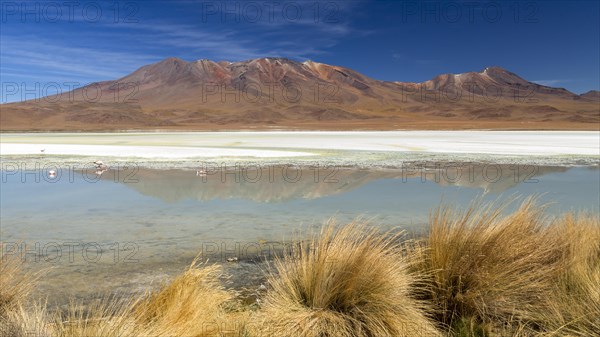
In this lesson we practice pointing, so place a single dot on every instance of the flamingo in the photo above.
(100, 165)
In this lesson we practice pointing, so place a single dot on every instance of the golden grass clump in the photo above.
(489, 268)
(574, 307)
(15, 283)
(345, 282)
(479, 272)
(190, 305)
(26, 321)
(193, 304)
(109, 317)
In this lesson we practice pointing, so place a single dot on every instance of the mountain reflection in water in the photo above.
(159, 220)
(281, 184)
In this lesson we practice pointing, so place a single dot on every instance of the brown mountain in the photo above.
(593, 95)
(282, 93)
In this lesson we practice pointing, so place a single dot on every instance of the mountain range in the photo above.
(279, 93)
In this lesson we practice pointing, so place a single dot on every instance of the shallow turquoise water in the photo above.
(125, 230)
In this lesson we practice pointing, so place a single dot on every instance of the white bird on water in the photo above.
(100, 167)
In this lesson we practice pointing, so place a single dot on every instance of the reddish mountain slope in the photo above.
(281, 93)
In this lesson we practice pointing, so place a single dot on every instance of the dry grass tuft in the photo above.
(26, 322)
(491, 268)
(346, 282)
(480, 272)
(15, 283)
(193, 304)
(574, 307)
(108, 317)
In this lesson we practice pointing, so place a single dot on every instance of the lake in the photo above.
(132, 227)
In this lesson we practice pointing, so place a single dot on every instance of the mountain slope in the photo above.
(282, 93)
(593, 95)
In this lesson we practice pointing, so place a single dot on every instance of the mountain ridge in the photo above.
(283, 93)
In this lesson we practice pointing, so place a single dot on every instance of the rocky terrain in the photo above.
(277, 93)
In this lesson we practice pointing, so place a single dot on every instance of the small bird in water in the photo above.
(52, 174)
(100, 166)
(200, 173)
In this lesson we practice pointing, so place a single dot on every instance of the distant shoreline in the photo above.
(389, 126)
(384, 149)
(269, 143)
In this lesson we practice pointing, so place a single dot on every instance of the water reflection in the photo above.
(170, 215)
(280, 184)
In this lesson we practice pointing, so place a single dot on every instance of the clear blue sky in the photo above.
(555, 43)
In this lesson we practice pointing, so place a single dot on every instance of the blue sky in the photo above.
(555, 43)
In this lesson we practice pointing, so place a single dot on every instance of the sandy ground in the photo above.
(282, 144)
